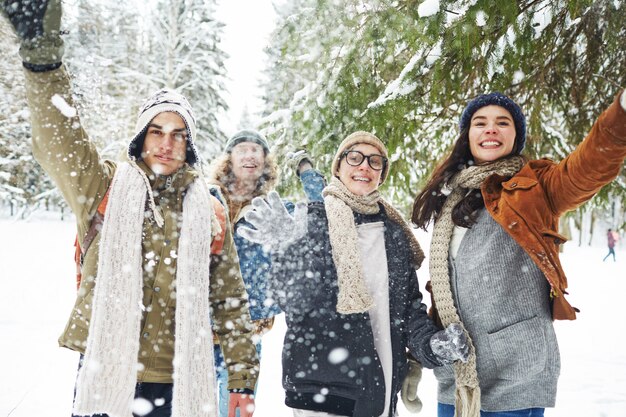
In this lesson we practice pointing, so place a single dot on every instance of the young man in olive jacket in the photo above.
(164, 261)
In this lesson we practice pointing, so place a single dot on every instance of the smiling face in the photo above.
(491, 134)
(165, 144)
(362, 179)
(248, 161)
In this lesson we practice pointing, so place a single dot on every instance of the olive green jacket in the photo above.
(63, 149)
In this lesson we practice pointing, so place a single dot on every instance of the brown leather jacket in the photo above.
(529, 205)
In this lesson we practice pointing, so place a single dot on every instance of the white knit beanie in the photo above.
(162, 101)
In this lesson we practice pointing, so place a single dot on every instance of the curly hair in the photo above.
(221, 174)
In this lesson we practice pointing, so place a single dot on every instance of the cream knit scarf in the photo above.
(106, 381)
(467, 387)
(340, 204)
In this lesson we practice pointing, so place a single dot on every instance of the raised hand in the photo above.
(274, 227)
(37, 23)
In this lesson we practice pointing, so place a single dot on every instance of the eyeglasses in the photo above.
(356, 158)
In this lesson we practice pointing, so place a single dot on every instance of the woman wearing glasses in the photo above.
(344, 273)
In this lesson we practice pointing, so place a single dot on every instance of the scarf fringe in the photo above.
(467, 401)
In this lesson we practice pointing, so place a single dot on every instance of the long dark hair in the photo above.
(429, 202)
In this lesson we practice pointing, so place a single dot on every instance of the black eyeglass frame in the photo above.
(364, 157)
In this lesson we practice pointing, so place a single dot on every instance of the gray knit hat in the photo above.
(247, 135)
(162, 101)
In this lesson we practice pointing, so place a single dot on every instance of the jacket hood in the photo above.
(162, 101)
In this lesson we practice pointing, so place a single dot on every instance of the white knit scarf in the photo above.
(467, 395)
(106, 381)
(340, 203)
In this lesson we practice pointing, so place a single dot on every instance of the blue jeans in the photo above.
(222, 378)
(446, 410)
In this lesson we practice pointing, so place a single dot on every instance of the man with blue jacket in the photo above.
(245, 170)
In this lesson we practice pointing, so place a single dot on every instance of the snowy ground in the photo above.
(37, 377)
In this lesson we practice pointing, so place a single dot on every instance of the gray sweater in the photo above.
(503, 300)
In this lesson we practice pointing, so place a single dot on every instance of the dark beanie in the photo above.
(247, 135)
(498, 99)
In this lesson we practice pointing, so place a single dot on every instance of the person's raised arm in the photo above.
(312, 180)
(60, 144)
(595, 162)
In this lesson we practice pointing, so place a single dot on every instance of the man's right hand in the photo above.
(37, 23)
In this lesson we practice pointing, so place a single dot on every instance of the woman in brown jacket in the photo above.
(494, 254)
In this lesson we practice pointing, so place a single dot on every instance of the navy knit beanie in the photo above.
(247, 135)
(498, 99)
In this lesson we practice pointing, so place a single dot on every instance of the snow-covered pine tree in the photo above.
(181, 51)
(103, 51)
(117, 54)
(405, 70)
(23, 183)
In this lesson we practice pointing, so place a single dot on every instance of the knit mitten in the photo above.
(450, 344)
(37, 24)
(274, 227)
(409, 387)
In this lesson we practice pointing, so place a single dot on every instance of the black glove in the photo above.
(450, 344)
(37, 24)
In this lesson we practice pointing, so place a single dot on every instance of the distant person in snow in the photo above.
(247, 169)
(163, 259)
(344, 272)
(612, 239)
(494, 262)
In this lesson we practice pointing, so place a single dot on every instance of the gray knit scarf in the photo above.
(106, 381)
(467, 397)
(340, 204)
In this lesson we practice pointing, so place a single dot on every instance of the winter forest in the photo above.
(402, 69)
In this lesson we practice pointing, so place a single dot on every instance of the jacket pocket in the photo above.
(519, 183)
(519, 350)
(553, 237)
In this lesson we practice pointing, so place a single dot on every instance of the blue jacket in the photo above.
(255, 263)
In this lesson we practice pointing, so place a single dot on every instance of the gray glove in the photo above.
(409, 387)
(450, 344)
(298, 158)
(274, 227)
(37, 24)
